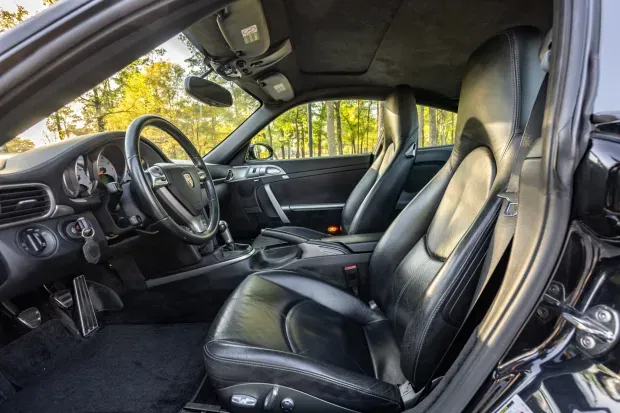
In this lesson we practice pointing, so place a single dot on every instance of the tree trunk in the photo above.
(297, 150)
(358, 137)
(432, 120)
(269, 135)
(422, 125)
(338, 128)
(366, 149)
(380, 113)
(331, 138)
(98, 111)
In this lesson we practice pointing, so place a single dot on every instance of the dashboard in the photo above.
(43, 194)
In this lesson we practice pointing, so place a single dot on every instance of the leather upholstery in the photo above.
(370, 206)
(423, 272)
(299, 332)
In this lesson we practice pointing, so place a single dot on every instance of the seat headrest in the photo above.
(501, 81)
(400, 116)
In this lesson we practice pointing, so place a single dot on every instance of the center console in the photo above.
(341, 261)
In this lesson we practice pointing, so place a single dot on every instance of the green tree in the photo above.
(9, 19)
(18, 145)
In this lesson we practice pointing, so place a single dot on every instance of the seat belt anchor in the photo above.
(512, 208)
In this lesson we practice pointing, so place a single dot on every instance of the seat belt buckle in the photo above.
(512, 208)
(350, 271)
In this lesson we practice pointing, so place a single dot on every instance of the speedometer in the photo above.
(106, 170)
(83, 176)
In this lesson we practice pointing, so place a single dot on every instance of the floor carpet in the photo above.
(122, 369)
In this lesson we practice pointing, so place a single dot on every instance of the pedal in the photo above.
(87, 319)
(63, 299)
(30, 318)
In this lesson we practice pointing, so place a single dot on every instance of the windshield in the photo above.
(152, 84)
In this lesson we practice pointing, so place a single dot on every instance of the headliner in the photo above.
(421, 43)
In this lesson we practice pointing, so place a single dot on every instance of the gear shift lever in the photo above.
(225, 232)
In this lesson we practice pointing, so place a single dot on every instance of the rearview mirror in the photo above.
(208, 92)
(260, 152)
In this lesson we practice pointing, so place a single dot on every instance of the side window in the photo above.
(437, 127)
(339, 127)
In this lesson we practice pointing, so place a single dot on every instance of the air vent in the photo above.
(230, 175)
(24, 203)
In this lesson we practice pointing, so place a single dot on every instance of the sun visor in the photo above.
(277, 86)
(244, 27)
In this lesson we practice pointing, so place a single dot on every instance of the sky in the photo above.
(176, 52)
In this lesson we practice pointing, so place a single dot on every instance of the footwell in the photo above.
(123, 368)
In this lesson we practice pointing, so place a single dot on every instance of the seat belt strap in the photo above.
(507, 221)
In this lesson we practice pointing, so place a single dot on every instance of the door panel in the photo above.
(309, 192)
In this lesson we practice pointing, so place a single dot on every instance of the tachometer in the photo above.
(106, 171)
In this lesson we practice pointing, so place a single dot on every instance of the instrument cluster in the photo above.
(89, 172)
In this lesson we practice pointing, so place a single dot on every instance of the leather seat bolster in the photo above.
(377, 209)
(434, 324)
(329, 296)
(229, 363)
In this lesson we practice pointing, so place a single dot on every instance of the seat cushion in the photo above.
(282, 328)
(263, 241)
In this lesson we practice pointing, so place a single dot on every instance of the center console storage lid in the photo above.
(357, 243)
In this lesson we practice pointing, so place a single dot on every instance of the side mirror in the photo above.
(208, 92)
(260, 152)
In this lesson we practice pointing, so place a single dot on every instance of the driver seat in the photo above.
(325, 349)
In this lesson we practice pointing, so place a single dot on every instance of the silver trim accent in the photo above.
(242, 400)
(314, 207)
(196, 272)
(49, 213)
(276, 205)
(84, 304)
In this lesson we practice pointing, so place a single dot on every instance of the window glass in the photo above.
(339, 127)
(152, 84)
(437, 127)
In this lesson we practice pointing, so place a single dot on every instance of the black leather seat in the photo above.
(371, 205)
(298, 333)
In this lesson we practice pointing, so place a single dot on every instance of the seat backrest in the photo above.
(371, 205)
(424, 270)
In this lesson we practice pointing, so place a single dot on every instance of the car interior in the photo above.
(244, 282)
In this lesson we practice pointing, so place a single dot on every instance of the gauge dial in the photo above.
(77, 179)
(82, 175)
(106, 170)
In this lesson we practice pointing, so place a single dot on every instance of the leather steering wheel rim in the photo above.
(154, 186)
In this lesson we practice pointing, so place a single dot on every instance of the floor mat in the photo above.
(122, 369)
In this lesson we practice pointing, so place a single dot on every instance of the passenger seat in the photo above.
(370, 206)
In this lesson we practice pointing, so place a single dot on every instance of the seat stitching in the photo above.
(514, 74)
(468, 262)
(409, 281)
(302, 372)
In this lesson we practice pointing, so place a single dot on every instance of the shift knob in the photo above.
(225, 232)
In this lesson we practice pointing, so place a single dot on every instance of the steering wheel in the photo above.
(174, 194)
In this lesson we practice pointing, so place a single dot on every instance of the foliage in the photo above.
(346, 127)
(18, 145)
(9, 19)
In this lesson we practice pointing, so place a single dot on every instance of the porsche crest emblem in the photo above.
(188, 179)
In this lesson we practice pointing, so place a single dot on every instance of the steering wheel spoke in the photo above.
(156, 177)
